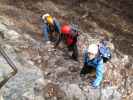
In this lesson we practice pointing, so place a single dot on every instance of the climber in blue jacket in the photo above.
(92, 59)
(51, 25)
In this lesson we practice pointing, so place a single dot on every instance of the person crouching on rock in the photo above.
(93, 60)
(51, 28)
(70, 35)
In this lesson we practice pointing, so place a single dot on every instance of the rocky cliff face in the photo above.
(45, 73)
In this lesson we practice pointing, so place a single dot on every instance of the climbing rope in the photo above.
(12, 65)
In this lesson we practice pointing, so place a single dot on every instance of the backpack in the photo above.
(75, 32)
(104, 51)
(73, 37)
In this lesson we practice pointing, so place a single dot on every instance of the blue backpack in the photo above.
(104, 51)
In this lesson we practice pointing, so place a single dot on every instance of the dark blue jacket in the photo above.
(46, 29)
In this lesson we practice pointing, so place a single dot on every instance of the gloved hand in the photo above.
(48, 42)
(94, 84)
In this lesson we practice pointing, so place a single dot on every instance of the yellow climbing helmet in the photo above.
(49, 20)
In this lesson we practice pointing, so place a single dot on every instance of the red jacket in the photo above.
(70, 39)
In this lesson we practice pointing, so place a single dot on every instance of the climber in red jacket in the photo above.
(70, 35)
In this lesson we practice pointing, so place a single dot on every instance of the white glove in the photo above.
(48, 42)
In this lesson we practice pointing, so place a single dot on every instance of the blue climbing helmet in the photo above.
(104, 51)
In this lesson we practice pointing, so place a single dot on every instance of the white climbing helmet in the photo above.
(45, 16)
(93, 49)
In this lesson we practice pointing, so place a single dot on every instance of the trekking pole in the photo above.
(12, 65)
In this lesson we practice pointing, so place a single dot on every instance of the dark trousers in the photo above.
(54, 36)
(86, 69)
(74, 50)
